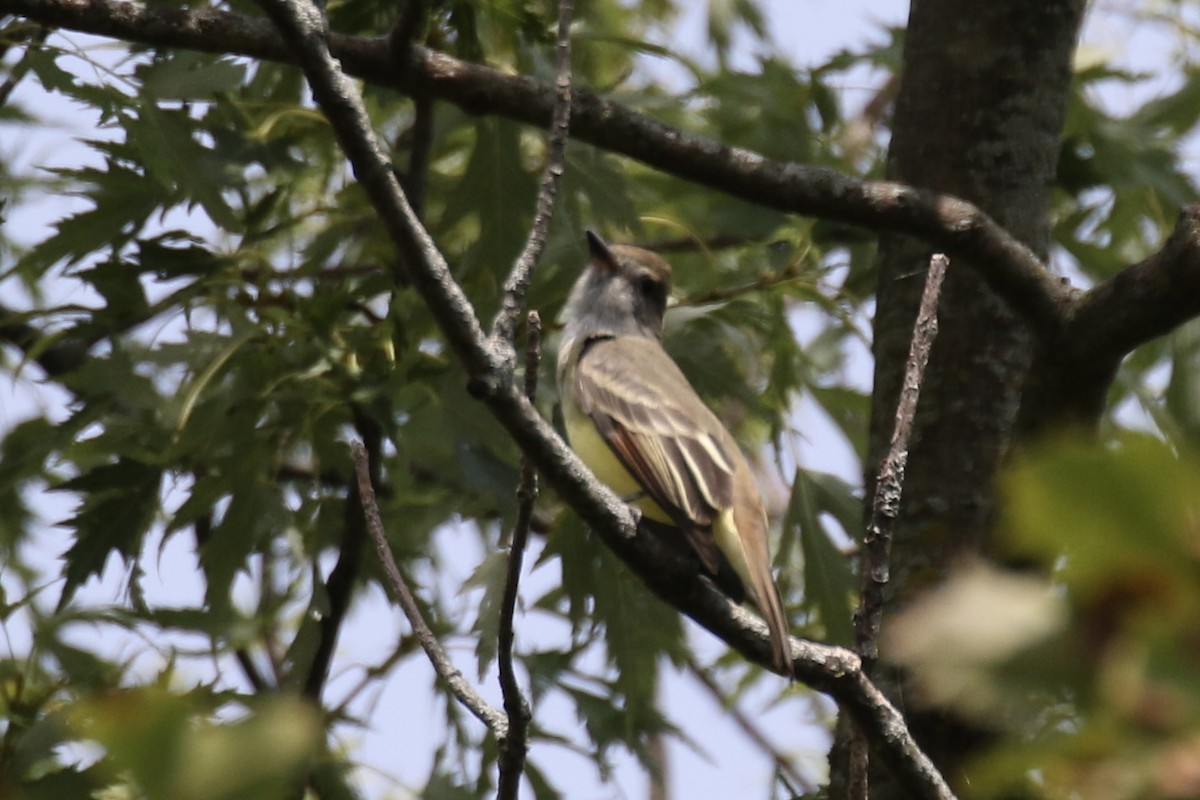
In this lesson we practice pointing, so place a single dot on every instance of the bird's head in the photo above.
(622, 291)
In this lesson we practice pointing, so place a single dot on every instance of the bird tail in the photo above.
(756, 571)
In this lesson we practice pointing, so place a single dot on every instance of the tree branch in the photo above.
(1073, 369)
(1143, 302)
(339, 586)
(515, 286)
(512, 753)
(885, 507)
(463, 691)
(1011, 268)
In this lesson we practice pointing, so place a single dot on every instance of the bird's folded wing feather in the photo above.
(648, 413)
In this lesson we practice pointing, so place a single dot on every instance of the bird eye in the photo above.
(648, 286)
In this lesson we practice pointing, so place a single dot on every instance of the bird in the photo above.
(635, 420)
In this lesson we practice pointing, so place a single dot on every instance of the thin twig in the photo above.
(660, 778)
(403, 37)
(885, 508)
(462, 690)
(371, 675)
(740, 718)
(257, 683)
(504, 326)
(764, 283)
(513, 748)
(421, 147)
(339, 586)
(695, 244)
(408, 27)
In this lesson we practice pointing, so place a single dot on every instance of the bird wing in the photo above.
(685, 460)
(661, 431)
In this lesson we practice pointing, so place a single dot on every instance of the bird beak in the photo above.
(602, 257)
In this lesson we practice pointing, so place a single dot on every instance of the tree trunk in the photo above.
(979, 112)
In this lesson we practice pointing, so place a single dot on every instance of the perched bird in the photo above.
(638, 424)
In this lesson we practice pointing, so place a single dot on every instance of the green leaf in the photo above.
(56, 784)
(120, 285)
(1176, 112)
(850, 410)
(490, 576)
(540, 783)
(638, 629)
(1128, 509)
(172, 752)
(24, 451)
(488, 474)
(828, 581)
(107, 98)
(191, 76)
(497, 193)
(165, 142)
(254, 514)
(164, 258)
(987, 642)
(122, 201)
(574, 545)
(119, 504)
(613, 720)
(82, 669)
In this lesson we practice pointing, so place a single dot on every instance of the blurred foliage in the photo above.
(1096, 668)
(225, 312)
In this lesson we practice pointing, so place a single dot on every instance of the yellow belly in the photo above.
(595, 452)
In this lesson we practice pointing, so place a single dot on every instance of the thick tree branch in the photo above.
(830, 669)
(1073, 369)
(1143, 302)
(954, 225)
